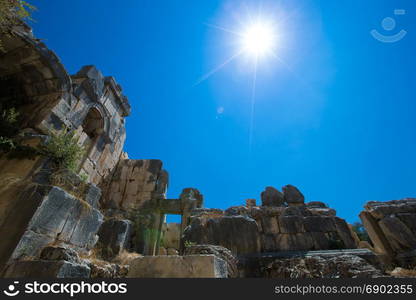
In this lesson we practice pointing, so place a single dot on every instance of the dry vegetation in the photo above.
(400, 272)
(125, 257)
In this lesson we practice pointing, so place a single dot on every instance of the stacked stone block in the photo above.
(391, 226)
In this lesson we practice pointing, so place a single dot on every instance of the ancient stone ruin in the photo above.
(105, 215)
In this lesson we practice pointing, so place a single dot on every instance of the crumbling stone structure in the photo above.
(283, 223)
(392, 228)
(54, 220)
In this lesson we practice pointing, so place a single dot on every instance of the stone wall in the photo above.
(46, 215)
(134, 185)
(35, 83)
(277, 225)
(392, 229)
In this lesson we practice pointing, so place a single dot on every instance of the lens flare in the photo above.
(259, 39)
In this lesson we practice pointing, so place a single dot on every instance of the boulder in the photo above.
(292, 196)
(271, 197)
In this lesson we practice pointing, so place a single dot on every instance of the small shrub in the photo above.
(11, 13)
(63, 149)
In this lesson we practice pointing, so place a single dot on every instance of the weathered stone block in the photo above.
(237, 233)
(218, 251)
(297, 241)
(320, 240)
(93, 195)
(329, 212)
(250, 202)
(271, 197)
(268, 243)
(114, 235)
(189, 266)
(46, 269)
(292, 195)
(316, 204)
(61, 214)
(319, 224)
(345, 233)
(30, 245)
(381, 244)
(398, 233)
(409, 219)
(270, 225)
(291, 224)
(59, 253)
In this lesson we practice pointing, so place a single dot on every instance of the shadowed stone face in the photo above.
(292, 196)
(271, 197)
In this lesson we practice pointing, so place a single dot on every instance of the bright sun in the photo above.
(259, 39)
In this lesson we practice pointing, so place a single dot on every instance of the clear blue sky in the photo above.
(335, 116)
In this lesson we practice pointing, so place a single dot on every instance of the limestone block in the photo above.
(319, 224)
(236, 211)
(320, 240)
(381, 244)
(93, 195)
(316, 204)
(409, 219)
(292, 195)
(344, 233)
(171, 236)
(46, 269)
(189, 266)
(250, 202)
(291, 224)
(398, 232)
(30, 245)
(237, 233)
(59, 253)
(296, 241)
(114, 236)
(268, 243)
(329, 212)
(380, 210)
(271, 197)
(64, 216)
(218, 251)
(270, 225)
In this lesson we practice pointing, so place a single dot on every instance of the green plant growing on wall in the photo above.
(11, 13)
(63, 149)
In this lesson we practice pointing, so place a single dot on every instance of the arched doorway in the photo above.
(92, 130)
